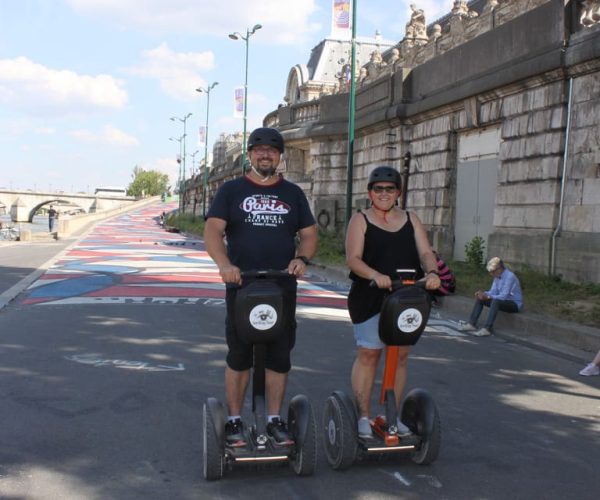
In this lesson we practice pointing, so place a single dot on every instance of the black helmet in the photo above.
(268, 136)
(385, 174)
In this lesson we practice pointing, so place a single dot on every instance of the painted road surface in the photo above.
(132, 260)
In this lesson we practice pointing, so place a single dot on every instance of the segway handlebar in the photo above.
(407, 278)
(401, 283)
(266, 274)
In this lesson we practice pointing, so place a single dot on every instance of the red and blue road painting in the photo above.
(131, 259)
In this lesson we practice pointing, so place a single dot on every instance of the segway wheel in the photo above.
(420, 414)
(212, 433)
(301, 420)
(340, 434)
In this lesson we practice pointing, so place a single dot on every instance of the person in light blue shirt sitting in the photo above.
(504, 295)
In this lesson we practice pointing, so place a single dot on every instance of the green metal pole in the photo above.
(351, 106)
(244, 153)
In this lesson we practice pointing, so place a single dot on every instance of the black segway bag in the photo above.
(404, 315)
(259, 312)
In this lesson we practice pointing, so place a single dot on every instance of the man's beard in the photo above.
(266, 171)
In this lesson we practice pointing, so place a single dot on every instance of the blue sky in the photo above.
(88, 87)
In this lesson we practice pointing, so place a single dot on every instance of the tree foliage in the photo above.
(147, 183)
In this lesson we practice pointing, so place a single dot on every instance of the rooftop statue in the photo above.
(375, 65)
(462, 9)
(416, 29)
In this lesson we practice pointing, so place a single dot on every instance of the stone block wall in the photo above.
(510, 67)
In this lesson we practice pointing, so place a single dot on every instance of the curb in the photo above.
(526, 328)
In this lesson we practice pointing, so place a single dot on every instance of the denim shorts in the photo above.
(366, 334)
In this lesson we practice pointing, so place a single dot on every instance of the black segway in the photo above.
(260, 318)
(404, 316)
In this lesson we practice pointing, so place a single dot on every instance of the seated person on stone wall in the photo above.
(504, 295)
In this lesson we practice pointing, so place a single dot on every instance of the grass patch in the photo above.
(187, 223)
(550, 296)
(331, 248)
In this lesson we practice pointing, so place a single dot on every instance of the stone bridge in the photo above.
(22, 205)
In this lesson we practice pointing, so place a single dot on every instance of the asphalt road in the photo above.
(106, 361)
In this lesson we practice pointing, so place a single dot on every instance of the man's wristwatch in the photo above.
(303, 259)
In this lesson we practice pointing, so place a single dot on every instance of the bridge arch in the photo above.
(62, 202)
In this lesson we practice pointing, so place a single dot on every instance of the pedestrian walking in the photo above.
(52, 216)
(592, 368)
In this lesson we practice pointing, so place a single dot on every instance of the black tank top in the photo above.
(384, 251)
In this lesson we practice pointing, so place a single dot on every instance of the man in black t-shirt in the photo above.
(260, 214)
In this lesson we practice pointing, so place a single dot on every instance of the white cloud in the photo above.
(178, 72)
(38, 89)
(109, 135)
(284, 21)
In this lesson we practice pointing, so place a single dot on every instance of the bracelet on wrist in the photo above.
(434, 272)
(303, 259)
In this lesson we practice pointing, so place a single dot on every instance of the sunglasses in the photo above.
(386, 189)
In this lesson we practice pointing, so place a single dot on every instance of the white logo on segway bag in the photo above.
(409, 320)
(263, 317)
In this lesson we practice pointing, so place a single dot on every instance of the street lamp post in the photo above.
(236, 36)
(193, 155)
(351, 112)
(180, 161)
(205, 179)
(182, 178)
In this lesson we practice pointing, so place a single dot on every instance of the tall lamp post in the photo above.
(351, 111)
(182, 179)
(193, 155)
(236, 36)
(179, 160)
(205, 179)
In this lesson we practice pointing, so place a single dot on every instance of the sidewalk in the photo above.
(571, 340)
(24, 262)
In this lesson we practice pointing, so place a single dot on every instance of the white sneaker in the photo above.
(482, 332)
(466, 327)
(590, 370)
(403, 431)
(364, 428)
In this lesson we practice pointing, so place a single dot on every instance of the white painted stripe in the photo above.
(400, 478)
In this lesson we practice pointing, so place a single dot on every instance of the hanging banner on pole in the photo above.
(340, 18)
(238, 103)
(201, 136)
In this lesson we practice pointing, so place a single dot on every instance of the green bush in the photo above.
(474, 251)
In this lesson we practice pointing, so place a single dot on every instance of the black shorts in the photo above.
(240, 355)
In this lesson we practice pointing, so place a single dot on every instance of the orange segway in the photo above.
(403, 318)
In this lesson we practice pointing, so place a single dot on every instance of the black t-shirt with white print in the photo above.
(262, 221)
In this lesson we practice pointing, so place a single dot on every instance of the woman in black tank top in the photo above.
(380, 240)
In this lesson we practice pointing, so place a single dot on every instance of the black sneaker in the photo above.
(278, 430)
(234, 433)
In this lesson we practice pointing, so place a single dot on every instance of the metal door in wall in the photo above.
(476, 181)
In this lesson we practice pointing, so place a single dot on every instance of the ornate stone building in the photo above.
(498, 103)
